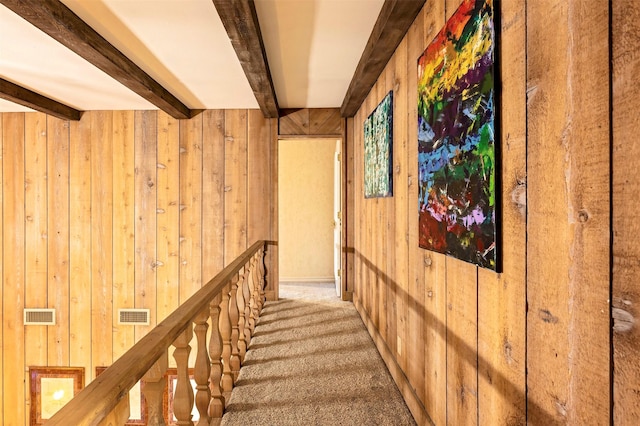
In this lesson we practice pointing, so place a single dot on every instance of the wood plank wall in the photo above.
(459, 339)
(121, 209)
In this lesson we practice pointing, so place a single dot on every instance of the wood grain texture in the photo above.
(145, 240)
(235, 182)
(258, 176)
(123, 227)
(80, 264)
(393, 22)
(2, 143)
(168, 215)
(190, 207)
(241, 22)
(13, 240)
(501, 297)
(568, 325)
(60, 23)
(348, 208)
(416, 268)
(272, 262)
(25, 97)
(58, 238)
(325, 121)
(110, 159)
(101, 239)
(626, 182)
(212, 193)
(35, 229)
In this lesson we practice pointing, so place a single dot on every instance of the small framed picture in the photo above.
(51, 388)
(137, 405)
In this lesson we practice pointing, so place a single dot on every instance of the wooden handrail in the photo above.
(91, 405)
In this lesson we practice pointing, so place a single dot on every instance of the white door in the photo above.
(337, 219)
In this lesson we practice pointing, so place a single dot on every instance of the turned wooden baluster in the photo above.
(261, 280)
(246, 293)
(242, 343)
(255, 310)
(202, 369)
(253, 303)
(153, 389)
(225, 332)
(216, 405)
(183, 393)
(233, 317)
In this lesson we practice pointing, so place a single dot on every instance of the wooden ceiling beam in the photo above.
(59, 22)
(240, 19)
(396, 16)
(25, 97)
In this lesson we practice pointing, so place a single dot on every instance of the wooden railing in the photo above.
(232, 300)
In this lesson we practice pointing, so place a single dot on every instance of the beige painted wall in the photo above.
(305, 198)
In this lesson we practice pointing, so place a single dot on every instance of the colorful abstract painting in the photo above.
(456, 138)
(378, 161)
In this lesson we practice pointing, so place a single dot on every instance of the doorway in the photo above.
(309, 222)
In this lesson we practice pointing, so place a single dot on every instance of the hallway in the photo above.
(312, 362)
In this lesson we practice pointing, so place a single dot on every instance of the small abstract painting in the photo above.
(378, 153)
(456, 138)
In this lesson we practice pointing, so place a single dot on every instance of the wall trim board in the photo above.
(408, 393)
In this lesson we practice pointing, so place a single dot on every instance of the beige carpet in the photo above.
(312, 362)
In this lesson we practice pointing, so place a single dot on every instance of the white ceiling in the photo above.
(313, 48)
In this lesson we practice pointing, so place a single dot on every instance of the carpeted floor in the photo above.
(312, 362)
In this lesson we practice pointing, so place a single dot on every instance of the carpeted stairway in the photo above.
(312, 362)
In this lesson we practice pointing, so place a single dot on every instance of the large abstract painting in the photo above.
(378, 161)
(456, 138)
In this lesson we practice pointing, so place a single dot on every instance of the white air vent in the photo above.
(133, 316)
(39, 317)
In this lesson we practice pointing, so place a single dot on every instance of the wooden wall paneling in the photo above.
(325, 121)
(145, 240)
(123, 227)
(568, 162)
(294, 122)
(385, 248)
(401, 201)
(80, 260)
(390, 311)
(58, 237)
(2, 185)
(168, 215)
(462, 342)
(416, 270)
(259, 182)
(358, 270)
(212, 193)
(101, 240)
(368, 245)
(501, 297)
(190, 207)
(235, 204)
(348, 209)
(13, 251)
(626, 183)
(258, 176)
(35, 230)
(272, 265)
(434, 264)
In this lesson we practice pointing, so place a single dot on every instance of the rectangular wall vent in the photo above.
(133, 316)
(39, 316)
